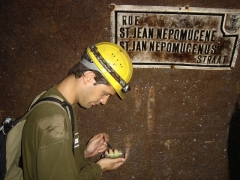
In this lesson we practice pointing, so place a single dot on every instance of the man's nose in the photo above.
(104, 100)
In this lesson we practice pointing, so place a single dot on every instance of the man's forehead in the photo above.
(109, 90)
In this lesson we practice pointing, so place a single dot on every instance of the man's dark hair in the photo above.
(79, 69)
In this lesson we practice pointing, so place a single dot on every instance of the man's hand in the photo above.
(96, 145)
(108, 164)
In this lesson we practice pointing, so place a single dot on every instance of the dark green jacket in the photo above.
(47, 146)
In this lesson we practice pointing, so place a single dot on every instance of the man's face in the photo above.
(93, 95)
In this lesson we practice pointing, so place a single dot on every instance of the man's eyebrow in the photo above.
(105, 92)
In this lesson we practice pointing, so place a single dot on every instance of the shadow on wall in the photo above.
(234, 144)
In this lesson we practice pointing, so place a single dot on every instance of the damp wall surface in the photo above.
(174, 121)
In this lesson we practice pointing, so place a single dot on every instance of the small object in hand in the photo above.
(114, 155)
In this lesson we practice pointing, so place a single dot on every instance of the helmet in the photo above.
(113, 62)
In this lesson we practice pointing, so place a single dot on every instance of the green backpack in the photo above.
(11, 136)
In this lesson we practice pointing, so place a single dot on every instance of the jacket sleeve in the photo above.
(88, 170)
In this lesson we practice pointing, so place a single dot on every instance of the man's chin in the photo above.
(86, 106)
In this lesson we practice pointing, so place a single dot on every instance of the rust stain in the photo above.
(138, 99)
(153, 21)
(112, 7)
(128, 142)
(223, 45)
(151, 109)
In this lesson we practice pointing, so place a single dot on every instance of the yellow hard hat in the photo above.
(113, 62)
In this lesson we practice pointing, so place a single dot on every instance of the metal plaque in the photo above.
(177, 37)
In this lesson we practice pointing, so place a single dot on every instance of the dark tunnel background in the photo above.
(174, 121)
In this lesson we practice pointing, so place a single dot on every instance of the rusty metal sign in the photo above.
(177, 37)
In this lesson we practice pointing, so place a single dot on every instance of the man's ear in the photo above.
(88, 76)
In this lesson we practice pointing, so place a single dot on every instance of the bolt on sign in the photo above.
(177, 37)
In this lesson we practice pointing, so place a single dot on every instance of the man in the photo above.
(47, 140)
